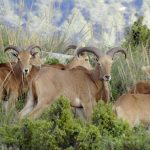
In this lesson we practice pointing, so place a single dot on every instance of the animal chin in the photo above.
(24, 74)
(106, 79)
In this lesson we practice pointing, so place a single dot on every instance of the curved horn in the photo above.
(93, 50)
(15, 48)
(70, 47)
(32, 47)
(114, 50)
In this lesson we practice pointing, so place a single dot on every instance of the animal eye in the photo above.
(33, 56)
(86, 59)
(14, 54)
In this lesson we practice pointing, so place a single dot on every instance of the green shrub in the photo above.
(58, 129)
(21, 102)
(65, 128)
(89, 138)
(29, 135)
(138, 34)
(107, 122)
(139, 139)
(3, 57)
(51, 61)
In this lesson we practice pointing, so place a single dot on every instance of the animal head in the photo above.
(104, 60)
(25, 58)
(79, 60)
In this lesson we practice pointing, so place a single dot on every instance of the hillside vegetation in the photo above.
(57, 128)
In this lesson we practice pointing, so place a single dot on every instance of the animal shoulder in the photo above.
(80, 68)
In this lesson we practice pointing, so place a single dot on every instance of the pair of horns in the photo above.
(17, 49)
(98, 53)
(74, 47)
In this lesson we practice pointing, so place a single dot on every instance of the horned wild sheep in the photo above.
(133, 108)
(13, 77)
(83, 87)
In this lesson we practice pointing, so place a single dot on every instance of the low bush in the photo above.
(58, 129)
(51, 61)
(107, 122)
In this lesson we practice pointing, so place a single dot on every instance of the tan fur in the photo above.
(77, 83)
(141, 87)
(12, 81)
(14, 84)
(133, 108)
(82, 60)
(83, 87)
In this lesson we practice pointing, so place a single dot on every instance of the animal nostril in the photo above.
(107, 77)
(26, 70)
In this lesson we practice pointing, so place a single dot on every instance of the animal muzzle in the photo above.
(106, 77)
(25, 72)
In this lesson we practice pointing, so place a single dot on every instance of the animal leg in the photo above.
(105, 93)
(88, 109)
(28, 106)
(38, 110)
(12, 100)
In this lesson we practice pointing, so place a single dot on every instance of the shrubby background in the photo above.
(57, 128)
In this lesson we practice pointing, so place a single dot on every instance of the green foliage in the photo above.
(126, 73)
(89, 138)
(7, 118)
(138, 34)
(107, 122)
(51, 61)
(139, 139)
(3, 57)
(57, 129)
(65, 128)
(28, 135)
(21, 102)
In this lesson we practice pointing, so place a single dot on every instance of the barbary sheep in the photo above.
(133, 108)
(13, 77)
(83, 87)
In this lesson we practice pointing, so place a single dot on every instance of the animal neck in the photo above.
(33, 72)
(17, 71)
(102, 91)
(95, 74)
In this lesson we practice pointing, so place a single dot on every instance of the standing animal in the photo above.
(14, 82)
(83, 87)
(83, 60)
(13, 79)
(133, 108)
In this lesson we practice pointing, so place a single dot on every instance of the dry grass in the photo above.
(127, 72)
